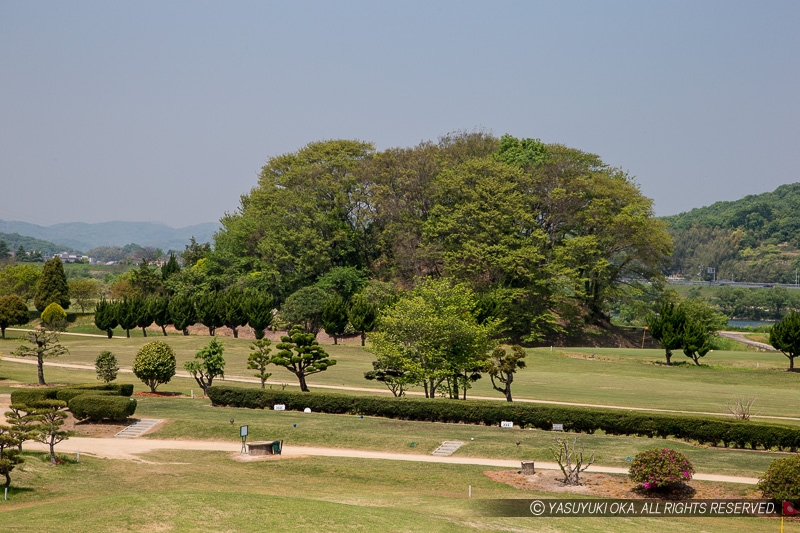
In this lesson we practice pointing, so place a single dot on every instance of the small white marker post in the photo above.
(470, 491)
(6, 493)
(192, 393)
(78, 456)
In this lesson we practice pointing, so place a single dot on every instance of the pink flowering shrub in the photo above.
(654, 469)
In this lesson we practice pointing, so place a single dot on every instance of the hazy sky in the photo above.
(166, 111)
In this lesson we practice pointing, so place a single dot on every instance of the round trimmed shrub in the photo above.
(54, 316)
(655, 469)
(781, 481)
(154, 364)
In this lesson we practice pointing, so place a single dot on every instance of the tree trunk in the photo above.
(164, 329)
(128, 333)
(144, 332)
(40, 364)
(669, 357)
(335, 340)
(235, 332)
(791, 363)
(303, 386)
(8, 480)
(3, 332)
(186, 331)
(52, 451)
(508, 394)
(110, 333)
(363, 337)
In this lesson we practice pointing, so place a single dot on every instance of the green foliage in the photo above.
(259, 359)
(106, 366)
(741, 238)
(50, 416)
(105, 317)
(159, 310)
(182, 311)
(54, 317)
(521, 152)
(785, 336)
(10, 440)
(83, 291)
(194, 252)
(145, 280)
(95, 407)
(126, 313)
(714, 431)
(13, 312)
(21, 280)
(42, 343)
(502, 366)
(142, 311)
(781, 481)
(301, 354)
(208, 363)
(170, 267)
(154, 364)
(334, 316)
(393, 373)
(344, 281)
(208, 310)
(433, 333)
(667, 328)
(363, 315)
(304, 308)
(52, 286)
(232, 311)
(258, 310)
(696, 341)
(658, 469)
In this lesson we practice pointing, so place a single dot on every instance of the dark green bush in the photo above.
(31, 396)
(781, 481)
(713, 431)
(656, 469)
(68, 393)
(95, 407)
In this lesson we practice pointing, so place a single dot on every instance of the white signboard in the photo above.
(558, 427)
(505, 424)
(279, 407)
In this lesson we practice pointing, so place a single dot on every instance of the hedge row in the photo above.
(712, 431)
(97, 408)
(92, 401)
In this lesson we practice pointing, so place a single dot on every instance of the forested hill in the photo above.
(753, 239)
(31, 244)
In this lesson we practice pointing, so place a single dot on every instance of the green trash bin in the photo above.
(276, 447)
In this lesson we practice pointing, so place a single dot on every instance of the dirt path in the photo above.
(738, 336)
(132, 448)
(241, 379)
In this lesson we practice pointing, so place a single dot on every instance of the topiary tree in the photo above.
(52, 286)
(785, 337)
(54, 317)
(13, 312)
(106, 366)
(105, 317)
(208, 363)
(50, 416)
(781, 481)
(44, 344)
(154, 364)
(259, 359)
(658, 469)
(10, 443)
(502, 366)
(301, 354)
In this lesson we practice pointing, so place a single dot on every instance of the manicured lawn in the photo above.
(604, 376)
(207, 491)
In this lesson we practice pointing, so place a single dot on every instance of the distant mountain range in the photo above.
(83, 236)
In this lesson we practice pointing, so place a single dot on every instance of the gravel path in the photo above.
(131, 449)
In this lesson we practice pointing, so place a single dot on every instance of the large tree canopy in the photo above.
(545, 235)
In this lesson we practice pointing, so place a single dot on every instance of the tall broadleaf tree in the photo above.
(13, 312)
(52, 286)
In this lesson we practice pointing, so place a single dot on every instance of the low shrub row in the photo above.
(92, 401)
(712, 431)
(96, 408)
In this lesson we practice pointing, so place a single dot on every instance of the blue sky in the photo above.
(166, 111)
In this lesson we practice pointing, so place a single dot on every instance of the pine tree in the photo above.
(105, 317)
(170, 268)
(52, 286)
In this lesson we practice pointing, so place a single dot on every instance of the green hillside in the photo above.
(47, 248)
(753, 239)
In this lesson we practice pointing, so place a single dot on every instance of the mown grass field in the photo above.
(602, 376)
(208, 491)
(205, 491)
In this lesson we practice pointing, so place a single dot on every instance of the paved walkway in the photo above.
(131, 448)
(740, 337)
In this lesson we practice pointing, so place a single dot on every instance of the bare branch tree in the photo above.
(742, 408)
(565, 453)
